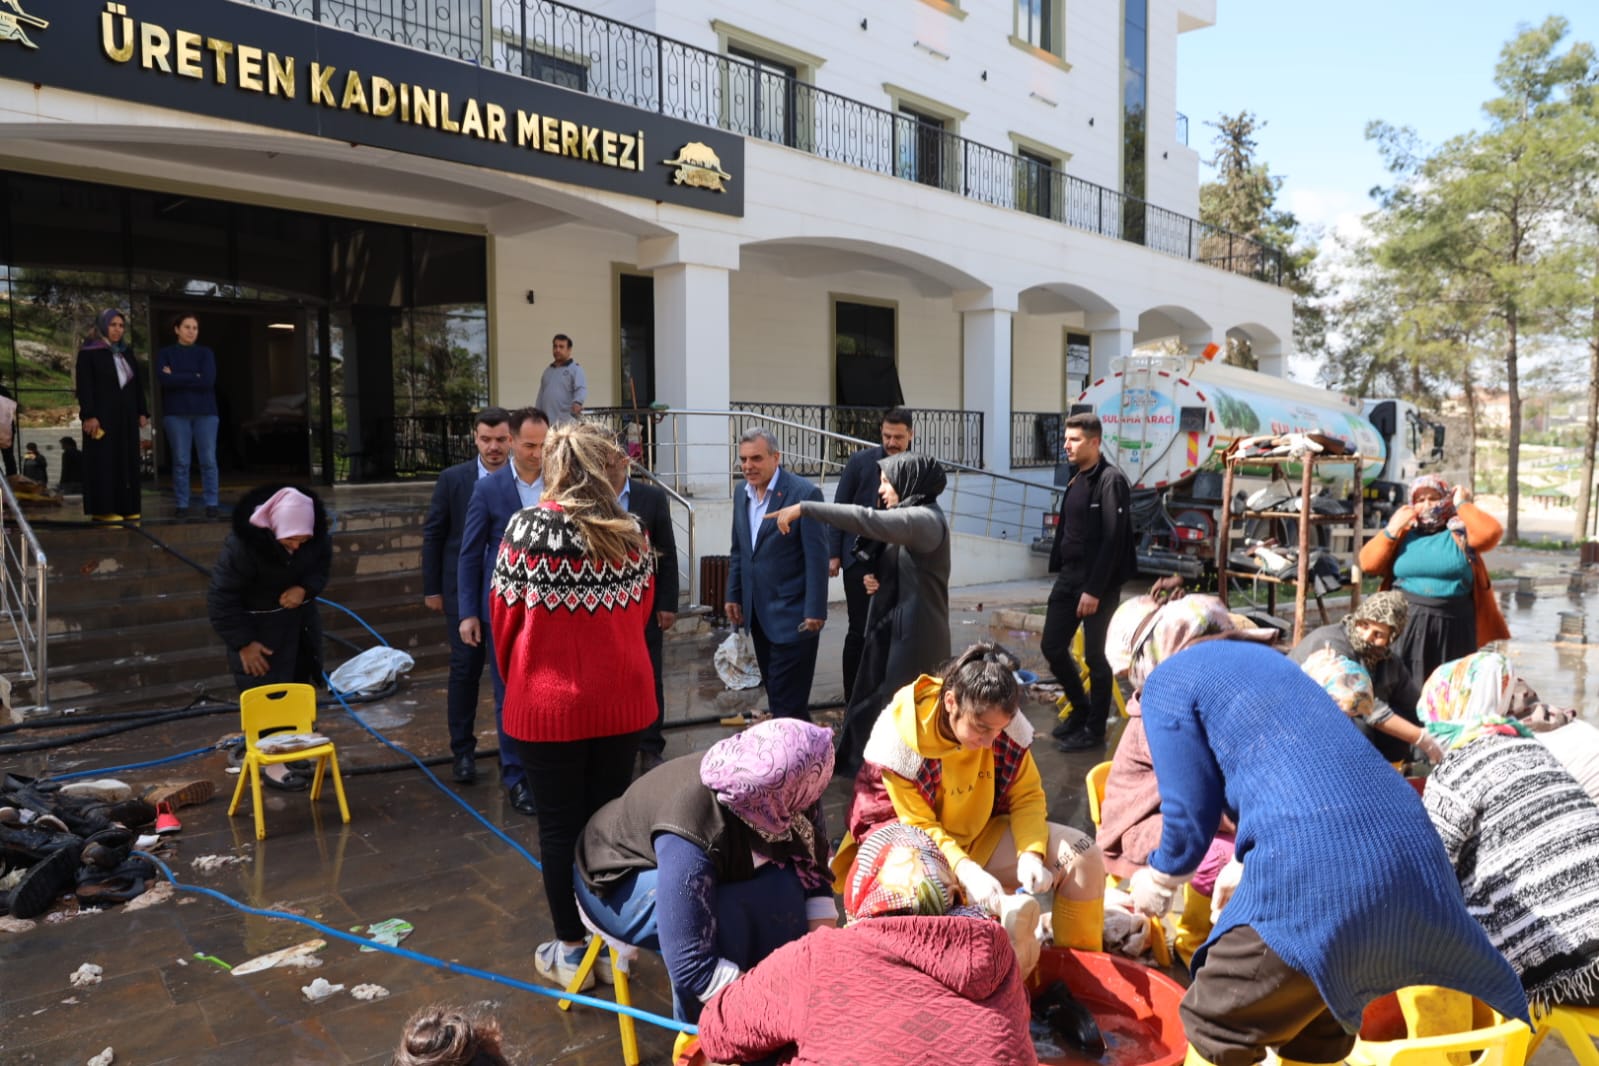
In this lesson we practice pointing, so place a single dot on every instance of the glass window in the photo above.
(557, 71)
(68, 224)
(448, 268)
(922, 145)
(864, 346)
(279, 250)
(181, 235)
(1035, 24)
(369, 263)
(1036, 178)
(762, 96)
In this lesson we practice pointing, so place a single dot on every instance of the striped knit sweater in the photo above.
(1524, 839)
(569, 633)
(1344, 877)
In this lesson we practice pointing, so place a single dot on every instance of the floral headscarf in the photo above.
(1470, 696)
(900, 871)
(1143, 634)
(1431, 517)
(771, 777)
(1345, 680)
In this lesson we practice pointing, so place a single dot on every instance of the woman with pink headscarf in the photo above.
(1431, 550)
(264, 587)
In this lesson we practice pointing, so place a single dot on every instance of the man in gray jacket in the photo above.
(564, 388)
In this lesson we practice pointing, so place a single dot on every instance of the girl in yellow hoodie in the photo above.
(950, 756)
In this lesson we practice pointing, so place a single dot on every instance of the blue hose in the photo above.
(416, 956)
(135, 765)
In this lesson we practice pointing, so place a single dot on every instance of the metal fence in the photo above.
(952, 436)
(1035, 439)
(23, 598)
(589, 53)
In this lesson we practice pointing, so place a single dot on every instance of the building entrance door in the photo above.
(261, 388)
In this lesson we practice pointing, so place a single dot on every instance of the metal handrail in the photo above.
(990, 521)
(636, 469)
(29, 626)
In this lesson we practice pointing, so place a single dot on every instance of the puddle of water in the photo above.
(1563, 674)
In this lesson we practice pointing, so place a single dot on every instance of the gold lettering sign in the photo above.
(251, 68)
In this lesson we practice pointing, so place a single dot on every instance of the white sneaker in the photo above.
(553, 963)
(104, 789)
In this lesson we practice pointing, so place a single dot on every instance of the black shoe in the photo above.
(1083, 741)
(522, 799)
(647, 761)
(465, 769)
(44, 883)
(1067, 726)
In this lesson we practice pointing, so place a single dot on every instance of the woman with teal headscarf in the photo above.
(111, 404)
(1522, 834)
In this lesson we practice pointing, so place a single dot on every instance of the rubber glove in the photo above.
(1226, 882)
(982, 888)
(1032, 873)
(1154, 892)
(1430, 748)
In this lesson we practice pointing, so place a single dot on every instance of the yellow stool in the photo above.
(624, 996)
(1503, 1044)
(279, 707)
(1577, 1026)
(1096, 778)
(1078, 655)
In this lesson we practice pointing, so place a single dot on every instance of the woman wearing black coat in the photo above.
(907, 625)
(111, 404)
(264, 587)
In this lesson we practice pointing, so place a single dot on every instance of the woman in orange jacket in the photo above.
(1431, 550)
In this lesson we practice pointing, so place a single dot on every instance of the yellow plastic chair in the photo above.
(1577, 1026)
(276, 708)
(1082, 674)
(1503, 1044)
(624, 994)
(1159, 946)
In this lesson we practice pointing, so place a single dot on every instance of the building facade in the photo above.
(382, 213)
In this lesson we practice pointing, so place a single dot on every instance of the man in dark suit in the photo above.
(494, 500)
(777, 584)
(858, 485)
(441, 556)
(654, 510)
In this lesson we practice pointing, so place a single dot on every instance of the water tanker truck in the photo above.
(1168, 419)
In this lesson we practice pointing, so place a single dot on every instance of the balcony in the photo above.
(1035, 439)
(592, 54)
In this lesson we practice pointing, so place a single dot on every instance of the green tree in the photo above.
(1483, 213)
(1242, 202)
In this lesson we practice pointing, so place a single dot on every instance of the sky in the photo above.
(1316, 73)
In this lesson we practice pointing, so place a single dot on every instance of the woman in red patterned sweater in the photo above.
(571, 588)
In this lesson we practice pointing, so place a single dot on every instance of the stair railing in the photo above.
(24, 595)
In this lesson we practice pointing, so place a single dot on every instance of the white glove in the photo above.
(1153, 892)
(1032, 873)
(1226, 882)
(1430, 748)
(982, 888)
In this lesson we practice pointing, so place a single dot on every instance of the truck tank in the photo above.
(1167, 417)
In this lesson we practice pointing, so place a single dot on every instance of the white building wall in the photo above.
(1038, 361)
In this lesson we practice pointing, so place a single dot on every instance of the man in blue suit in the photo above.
(777, 584)
(494, 500)
(441, 553)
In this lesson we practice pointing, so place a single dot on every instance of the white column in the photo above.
(985, 371)
(693, 359)
(1197, 340)
(1272, 358)
(1108, 344)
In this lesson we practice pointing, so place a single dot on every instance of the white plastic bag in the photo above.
(371, 670)
(735, 661)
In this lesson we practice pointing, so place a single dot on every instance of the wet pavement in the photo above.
(409, 852)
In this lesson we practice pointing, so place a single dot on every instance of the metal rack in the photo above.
(1306, 519)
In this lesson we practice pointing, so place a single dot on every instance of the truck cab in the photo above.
(1415, 446)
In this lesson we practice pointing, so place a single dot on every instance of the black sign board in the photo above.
(236, 61)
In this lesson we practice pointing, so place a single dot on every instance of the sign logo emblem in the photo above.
(697, 165)
(13, 21)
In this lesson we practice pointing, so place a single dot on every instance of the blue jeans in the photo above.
(197, 432)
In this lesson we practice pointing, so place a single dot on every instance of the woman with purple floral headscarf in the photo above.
(111, 404)
(1431, 550)
(715, 859)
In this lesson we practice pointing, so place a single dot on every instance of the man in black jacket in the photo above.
(654, 511)
(1092, 556)
(858, 485)
(441, 551)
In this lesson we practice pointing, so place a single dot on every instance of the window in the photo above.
(865, 374)
(1038, 24)
(557, 71)
(764, 97)
(1135, 128)
(922, 143)
(1036, 180)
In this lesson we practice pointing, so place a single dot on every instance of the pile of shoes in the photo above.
(79, 839)
(1327, 574)
(1293, 445)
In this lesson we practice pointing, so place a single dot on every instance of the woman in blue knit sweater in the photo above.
(1346, 893)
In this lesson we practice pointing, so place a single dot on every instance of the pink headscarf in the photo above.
(289, 513)
(771, 777)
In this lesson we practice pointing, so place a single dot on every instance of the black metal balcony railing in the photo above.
(1035, 439)
(592, 54)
